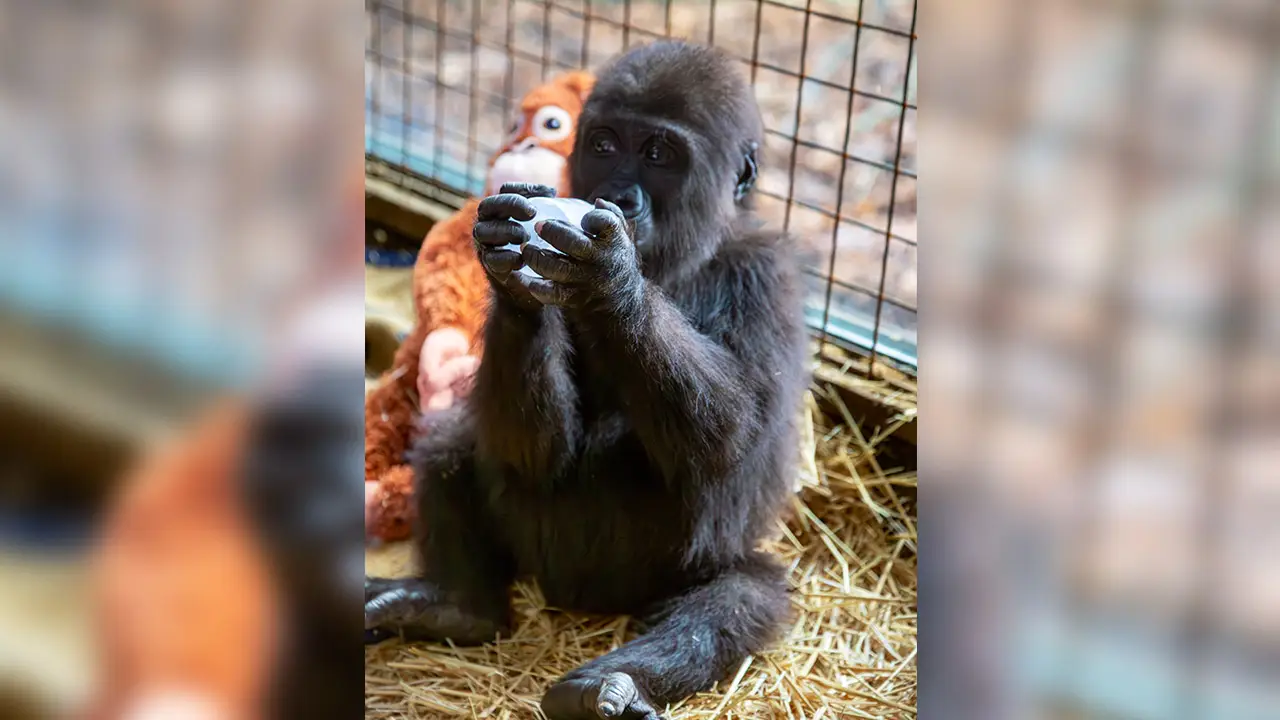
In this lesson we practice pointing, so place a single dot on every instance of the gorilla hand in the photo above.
(496, 230)
(599, 266)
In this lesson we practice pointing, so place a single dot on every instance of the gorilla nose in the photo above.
(629, 199)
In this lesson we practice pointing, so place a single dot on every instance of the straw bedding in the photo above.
(850, 541)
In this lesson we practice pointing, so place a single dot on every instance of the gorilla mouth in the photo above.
(639, 228)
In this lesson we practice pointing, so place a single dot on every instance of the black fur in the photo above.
(630, 436)
(296, 485)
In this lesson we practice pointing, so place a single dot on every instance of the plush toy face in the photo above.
(541, 139)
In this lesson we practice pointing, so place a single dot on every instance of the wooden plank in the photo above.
(885, 399)
(404, 201)
(77, 410)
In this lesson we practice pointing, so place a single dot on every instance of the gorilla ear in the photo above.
(747, 178)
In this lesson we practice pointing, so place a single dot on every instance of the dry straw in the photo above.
(850, 543)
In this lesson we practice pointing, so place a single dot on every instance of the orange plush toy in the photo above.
(434, 365)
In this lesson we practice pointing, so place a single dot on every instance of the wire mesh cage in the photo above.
(835, 81)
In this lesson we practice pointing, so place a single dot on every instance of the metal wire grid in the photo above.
(836, 84)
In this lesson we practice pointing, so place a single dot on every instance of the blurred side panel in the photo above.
(1099, 360)
(180, 270)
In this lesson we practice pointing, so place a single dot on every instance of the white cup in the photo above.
(570, 210)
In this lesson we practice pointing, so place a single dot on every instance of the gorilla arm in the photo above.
(696, 401)
(524, 392)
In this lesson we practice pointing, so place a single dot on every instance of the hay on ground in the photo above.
(850, 543)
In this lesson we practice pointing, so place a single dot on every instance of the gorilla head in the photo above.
(669, 135)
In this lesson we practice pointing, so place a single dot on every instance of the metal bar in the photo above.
(406, 97)
(893, 189)
(429, 24)
(512, 52)
(844, 167)
(479, 92)
(440, 38)
(847, 21)
(888, 167)
(377, 51)
(791, 170)
(837, 86)
(446, 130)
(832, 216)
(755, 43)
(473, 114)
(510, 80)
(586, 33)
(626, 24)
(546, 40)
(860, 289)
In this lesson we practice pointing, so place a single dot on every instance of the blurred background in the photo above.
(1101, 341)
(178, 195)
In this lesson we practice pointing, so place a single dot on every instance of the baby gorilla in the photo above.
(629, 439)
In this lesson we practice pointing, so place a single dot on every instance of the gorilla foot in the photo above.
(419, 611)
(602, 696)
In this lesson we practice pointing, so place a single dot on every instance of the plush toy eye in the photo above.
(552, 123)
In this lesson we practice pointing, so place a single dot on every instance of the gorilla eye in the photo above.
(658, 153)
(602, 143)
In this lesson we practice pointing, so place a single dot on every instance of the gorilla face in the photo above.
(638, 165)
(669, 136)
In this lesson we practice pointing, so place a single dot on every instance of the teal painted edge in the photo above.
(384, 143)
(1095, 668)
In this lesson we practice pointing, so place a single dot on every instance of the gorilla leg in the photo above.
(695, 639)
(422, 611)
(462, 595)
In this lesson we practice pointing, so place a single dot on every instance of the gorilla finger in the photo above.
(505, 206)
(603, 204)
(529, 190)
(548, 292)
(501, 262)
(567, 239)
(385, 608)
(373, 587)
(513, 286)
(617, 693)
(552, 265)
(605, 225)
(496, 233)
